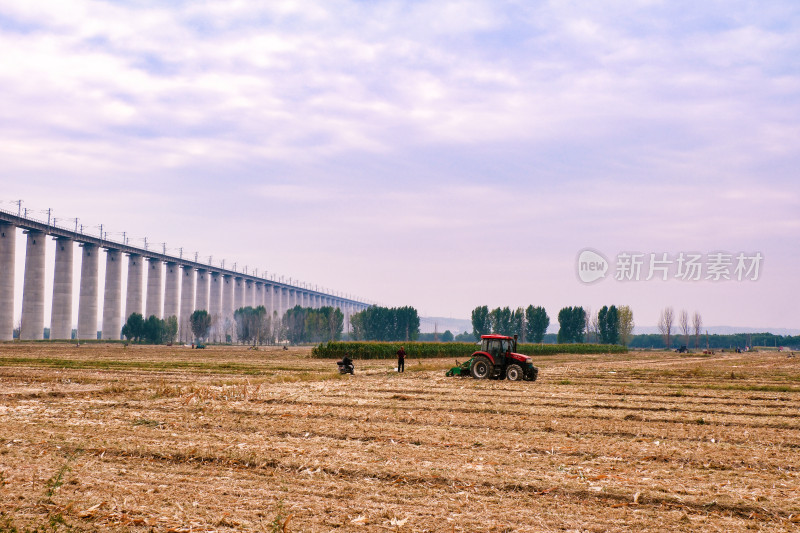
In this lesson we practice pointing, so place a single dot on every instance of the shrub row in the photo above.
(388, 350)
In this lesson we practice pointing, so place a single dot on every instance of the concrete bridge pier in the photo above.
(133, 299)
(238, 293)
(33, 287)
(87, 300)
(259, 298)
(61, 314)
(187, 303)
(201, 298)
(215, 304)
(154, 293)
(269, 295)
(249, 293)
(8, 242)
(277, 302)
(112, 296)
(227, 305)
(172, 291)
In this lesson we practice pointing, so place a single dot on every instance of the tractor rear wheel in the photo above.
(481, 368)
(514, 373)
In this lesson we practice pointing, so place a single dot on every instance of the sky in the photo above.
(442, 155)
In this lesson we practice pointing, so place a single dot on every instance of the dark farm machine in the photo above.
(497, 359)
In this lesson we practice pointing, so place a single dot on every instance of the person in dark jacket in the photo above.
(401, 360)
(346, 365)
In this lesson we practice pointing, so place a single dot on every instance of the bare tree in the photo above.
(683, 321)
(697, 325)
(665, 323)
(592, 326)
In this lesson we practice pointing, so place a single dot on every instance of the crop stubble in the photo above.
(225, 439)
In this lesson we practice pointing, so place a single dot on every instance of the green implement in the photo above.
(461, 369)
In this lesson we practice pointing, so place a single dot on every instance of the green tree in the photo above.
(517, 323)
(608, 325)
(536, 324)
(377, 323)
(170, 328)
(406, 323)
(335, 322)
(295, 322)
(464, 336)
(201, 323)
(358, 328)
(625, 324)
(564, 325)
(481, 324)
(447, 336)
(134, 327)
(250, 323)
(153, 330)
(500, 319)
(572, 323)
(579, 320)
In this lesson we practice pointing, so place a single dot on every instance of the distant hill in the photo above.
(442, 324)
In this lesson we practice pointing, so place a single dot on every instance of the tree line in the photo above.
(611, 325)
(529, 324)
(376, 323)
(715, 341)
(250, 325)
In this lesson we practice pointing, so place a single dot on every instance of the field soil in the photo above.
(170, 439)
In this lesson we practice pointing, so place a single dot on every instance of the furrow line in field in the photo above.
(507, 412)
(578, 494)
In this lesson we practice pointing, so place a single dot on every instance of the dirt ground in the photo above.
(108, 438)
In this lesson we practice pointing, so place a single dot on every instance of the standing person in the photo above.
(401, 360)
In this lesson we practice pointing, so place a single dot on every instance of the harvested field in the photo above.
(108, 438)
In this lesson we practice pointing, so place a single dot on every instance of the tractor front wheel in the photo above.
(481, 368)
(514, 373)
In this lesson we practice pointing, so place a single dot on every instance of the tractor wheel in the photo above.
(481, 368)
(514, 373)
(532, 375)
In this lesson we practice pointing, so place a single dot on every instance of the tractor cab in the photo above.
(498, 346)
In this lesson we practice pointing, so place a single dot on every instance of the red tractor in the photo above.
(497, 360)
